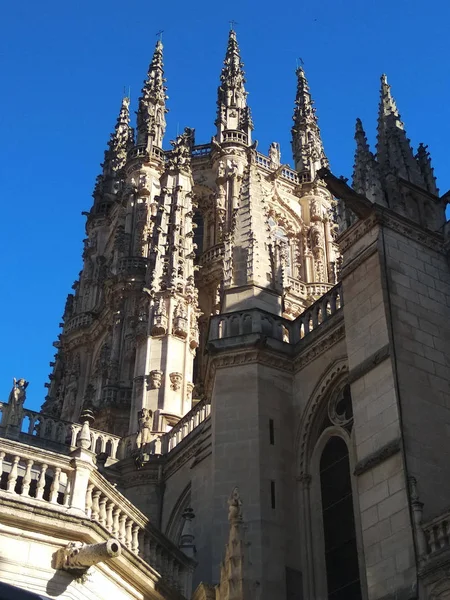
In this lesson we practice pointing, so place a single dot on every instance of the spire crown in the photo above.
(151, 123)
(232, 77)
(307, 147)
(233, 114)
(388, 106)
(394, 152)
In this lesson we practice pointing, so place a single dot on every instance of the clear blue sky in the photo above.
(64, 66)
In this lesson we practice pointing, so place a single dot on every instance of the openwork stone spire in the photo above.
(233, 114)
(424, 161)
(307, 147)
(394, 152)
(366, 178)
(151, 122)
(120, 142)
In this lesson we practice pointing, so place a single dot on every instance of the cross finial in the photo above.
(232, 24)
(300, 61)
(159, 33)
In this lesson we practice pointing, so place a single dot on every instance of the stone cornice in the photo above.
(377, 457)
(326, 338)
(369, 363)
(359, 259)
(387, 218)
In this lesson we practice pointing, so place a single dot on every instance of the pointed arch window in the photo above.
(341, 554)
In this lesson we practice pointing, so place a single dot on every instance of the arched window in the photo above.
(331, 539)
(341, 554)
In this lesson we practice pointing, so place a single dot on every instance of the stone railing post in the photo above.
(83, 464)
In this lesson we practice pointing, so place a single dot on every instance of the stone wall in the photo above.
(419, 297)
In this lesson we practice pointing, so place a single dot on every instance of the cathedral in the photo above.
(250, 394)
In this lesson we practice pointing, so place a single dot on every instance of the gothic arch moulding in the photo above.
(334, 375)
(441, 591)
(175, 523)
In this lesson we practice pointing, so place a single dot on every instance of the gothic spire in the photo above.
(151, 122)
(307, 147)
(424, 161)
(233, 114)
(120, 141)
(366, 180)
(394, 152)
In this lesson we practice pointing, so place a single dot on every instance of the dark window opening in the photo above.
(198, 233)
(272, 493)
(271, 432)
(341, 554)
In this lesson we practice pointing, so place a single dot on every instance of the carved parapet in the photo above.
(77, 557)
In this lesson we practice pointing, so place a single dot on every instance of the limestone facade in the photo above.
(243, 327)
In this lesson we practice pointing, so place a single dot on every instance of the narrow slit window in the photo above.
(271, 432)
(272, 493)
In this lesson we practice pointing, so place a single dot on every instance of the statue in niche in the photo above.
(221, 169)
(145, 427)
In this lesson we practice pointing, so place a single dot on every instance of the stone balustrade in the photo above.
(199, 413)
(318, 312)
(259, 321)
(47, 428)
(137, 152)
(437, 534)
(201, 151)
(264, 161)
(290, 175)
(78, 322)
(235, 136)
(29, 473)
(214, 253)
(249, 321)
(297, 287)
(132, 265)
(41, 476)
(121, 519)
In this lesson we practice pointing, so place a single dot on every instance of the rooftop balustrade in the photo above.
(258, 321)
(50, 479)
(212, 254)
(82, 321)
(132, 265)
(44, 428)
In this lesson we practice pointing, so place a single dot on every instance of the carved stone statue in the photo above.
(16, 399)
(18, 394)
(221, 169)
(234, 507)
(275, 154)
(145, 427)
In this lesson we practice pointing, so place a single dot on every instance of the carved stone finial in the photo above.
(187, 535)
(234, 507)
(84, 439)
(180, 156)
